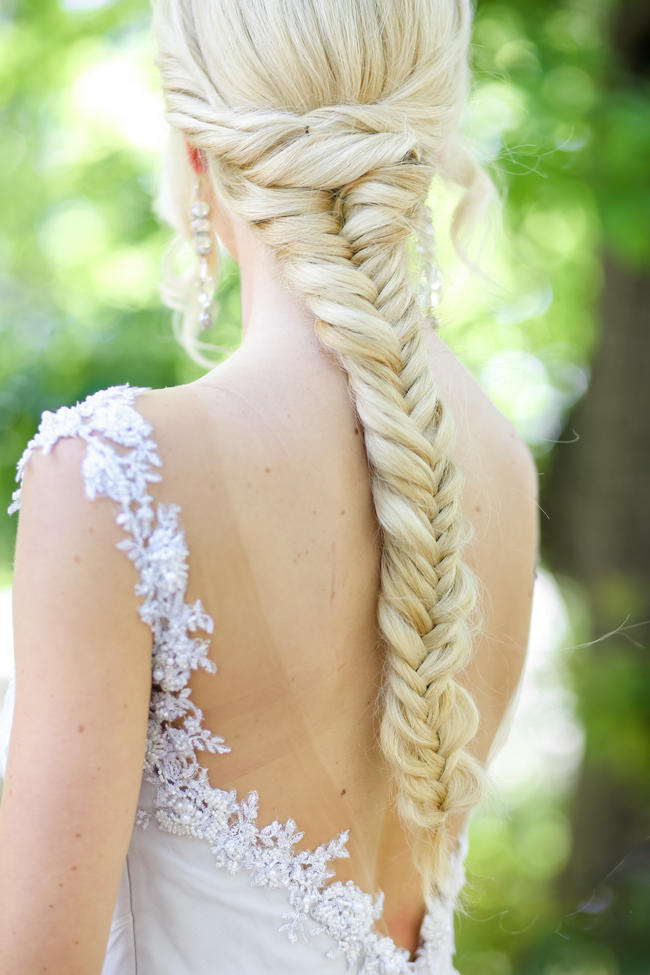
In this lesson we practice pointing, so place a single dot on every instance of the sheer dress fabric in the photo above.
(205, 888)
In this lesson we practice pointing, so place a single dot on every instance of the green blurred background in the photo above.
(559, 863)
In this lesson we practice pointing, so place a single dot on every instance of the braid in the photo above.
(343, 246)
(427, 593)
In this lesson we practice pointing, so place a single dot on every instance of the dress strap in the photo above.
(106, 413)
(120, 477)
(155, 543)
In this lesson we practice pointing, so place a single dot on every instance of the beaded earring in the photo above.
(429, 291)
(202, 239)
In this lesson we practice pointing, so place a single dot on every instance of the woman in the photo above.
(335, 516)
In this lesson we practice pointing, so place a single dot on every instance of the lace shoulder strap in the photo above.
(120, 460)
(106, 413)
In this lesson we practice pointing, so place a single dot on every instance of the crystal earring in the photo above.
(203, 244)
(429, 289)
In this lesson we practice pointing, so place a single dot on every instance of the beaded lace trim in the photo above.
(184, 801)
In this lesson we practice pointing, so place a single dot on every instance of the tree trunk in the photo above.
(597, 498)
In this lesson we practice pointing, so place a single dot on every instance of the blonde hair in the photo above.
(323, 126)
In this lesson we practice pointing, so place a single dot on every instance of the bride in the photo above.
(269, 624)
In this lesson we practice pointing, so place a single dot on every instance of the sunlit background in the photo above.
(557, 335)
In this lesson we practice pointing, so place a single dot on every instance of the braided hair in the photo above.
(323, 126)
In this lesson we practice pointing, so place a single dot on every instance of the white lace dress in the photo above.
(206, 890)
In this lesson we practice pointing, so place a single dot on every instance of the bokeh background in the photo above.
(559, 862)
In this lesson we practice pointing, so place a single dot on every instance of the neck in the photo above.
(275, 323)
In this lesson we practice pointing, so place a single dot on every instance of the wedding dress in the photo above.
(206, 889)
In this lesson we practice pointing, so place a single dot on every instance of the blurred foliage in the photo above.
(565, 129)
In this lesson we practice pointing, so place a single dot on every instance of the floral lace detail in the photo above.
(184, 801)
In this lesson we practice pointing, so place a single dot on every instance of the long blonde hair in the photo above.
(323, 125)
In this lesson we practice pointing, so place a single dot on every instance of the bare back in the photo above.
(268, 465)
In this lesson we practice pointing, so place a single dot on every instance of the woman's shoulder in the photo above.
(500, 501)
(478, 419)
(106, 414)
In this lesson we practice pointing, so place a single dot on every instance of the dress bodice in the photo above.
(205, 888)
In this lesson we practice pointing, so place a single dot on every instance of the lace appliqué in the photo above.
(184, 801)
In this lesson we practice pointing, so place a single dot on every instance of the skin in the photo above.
(263, 455)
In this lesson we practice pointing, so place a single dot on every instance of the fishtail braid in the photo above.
(336, 193)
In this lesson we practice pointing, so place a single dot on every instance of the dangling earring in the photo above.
(201, 231)
(429, 290)
(203, 237)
